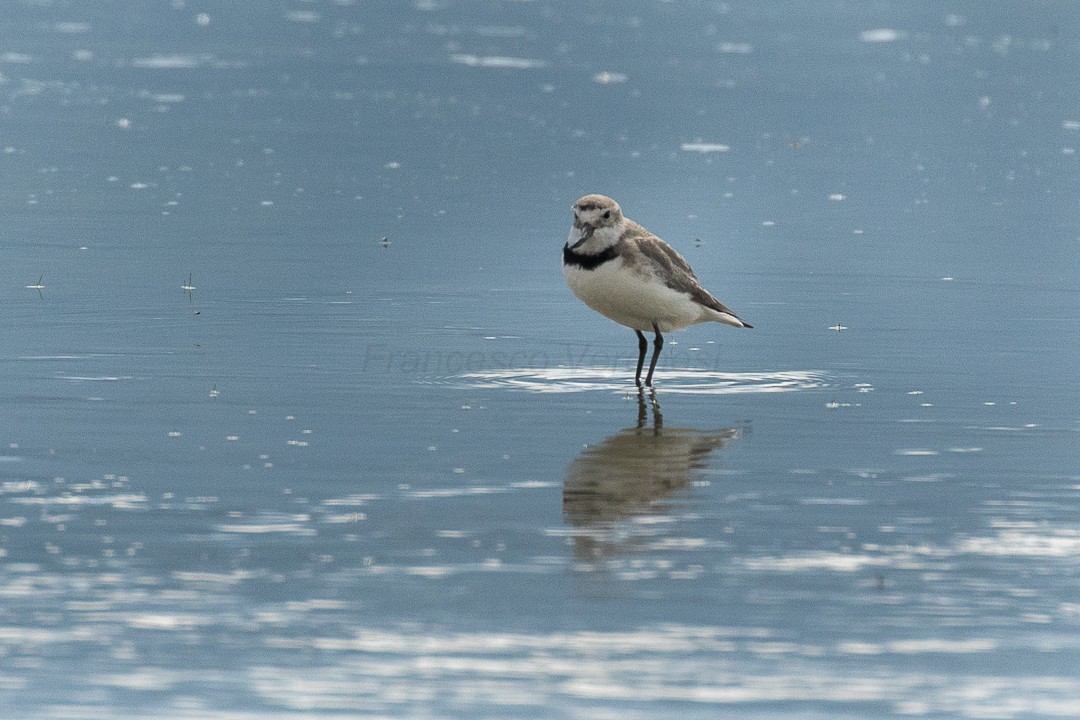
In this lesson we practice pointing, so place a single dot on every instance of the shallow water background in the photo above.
(346, 476)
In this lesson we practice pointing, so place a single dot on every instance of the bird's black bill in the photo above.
(586, 233)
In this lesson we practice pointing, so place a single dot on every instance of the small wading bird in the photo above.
(625, 273)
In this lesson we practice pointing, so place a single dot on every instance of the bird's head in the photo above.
(595, 215)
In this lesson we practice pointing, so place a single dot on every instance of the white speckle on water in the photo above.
(71, 27)
(606, 77)
(166, 62)
(880, 35)
(288, 528)
(704, 147)
(497, 61)
(823, 560)
(735, 48)
(303, 16)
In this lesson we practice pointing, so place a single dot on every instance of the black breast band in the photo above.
(586, 261)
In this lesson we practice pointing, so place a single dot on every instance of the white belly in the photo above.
(632, 299)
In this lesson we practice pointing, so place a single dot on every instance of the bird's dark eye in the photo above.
(607, 214)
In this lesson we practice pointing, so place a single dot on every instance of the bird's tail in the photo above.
(729, 318)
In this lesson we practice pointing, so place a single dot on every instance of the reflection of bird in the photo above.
(628, 472)
(624, 272)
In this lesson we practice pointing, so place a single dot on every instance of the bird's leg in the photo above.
(642, 346)
(658, 343)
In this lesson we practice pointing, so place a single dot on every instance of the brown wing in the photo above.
(676, 272)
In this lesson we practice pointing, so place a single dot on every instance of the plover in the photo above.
(624, 272)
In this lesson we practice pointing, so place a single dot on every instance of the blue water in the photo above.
(346, 476)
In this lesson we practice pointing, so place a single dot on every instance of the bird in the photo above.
(627, 274)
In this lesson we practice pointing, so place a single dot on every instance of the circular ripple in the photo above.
(678, 380)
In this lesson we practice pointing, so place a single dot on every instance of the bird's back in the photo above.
(674, 271)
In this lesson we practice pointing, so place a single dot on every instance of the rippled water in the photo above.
(299, 419)
(676, 380)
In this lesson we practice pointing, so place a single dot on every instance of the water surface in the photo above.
(346, 476)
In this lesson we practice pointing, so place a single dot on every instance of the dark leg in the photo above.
(642, 346)
(658, 343)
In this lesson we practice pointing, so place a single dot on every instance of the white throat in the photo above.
(602, 238)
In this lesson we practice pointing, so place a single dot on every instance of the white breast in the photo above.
(631, 298)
